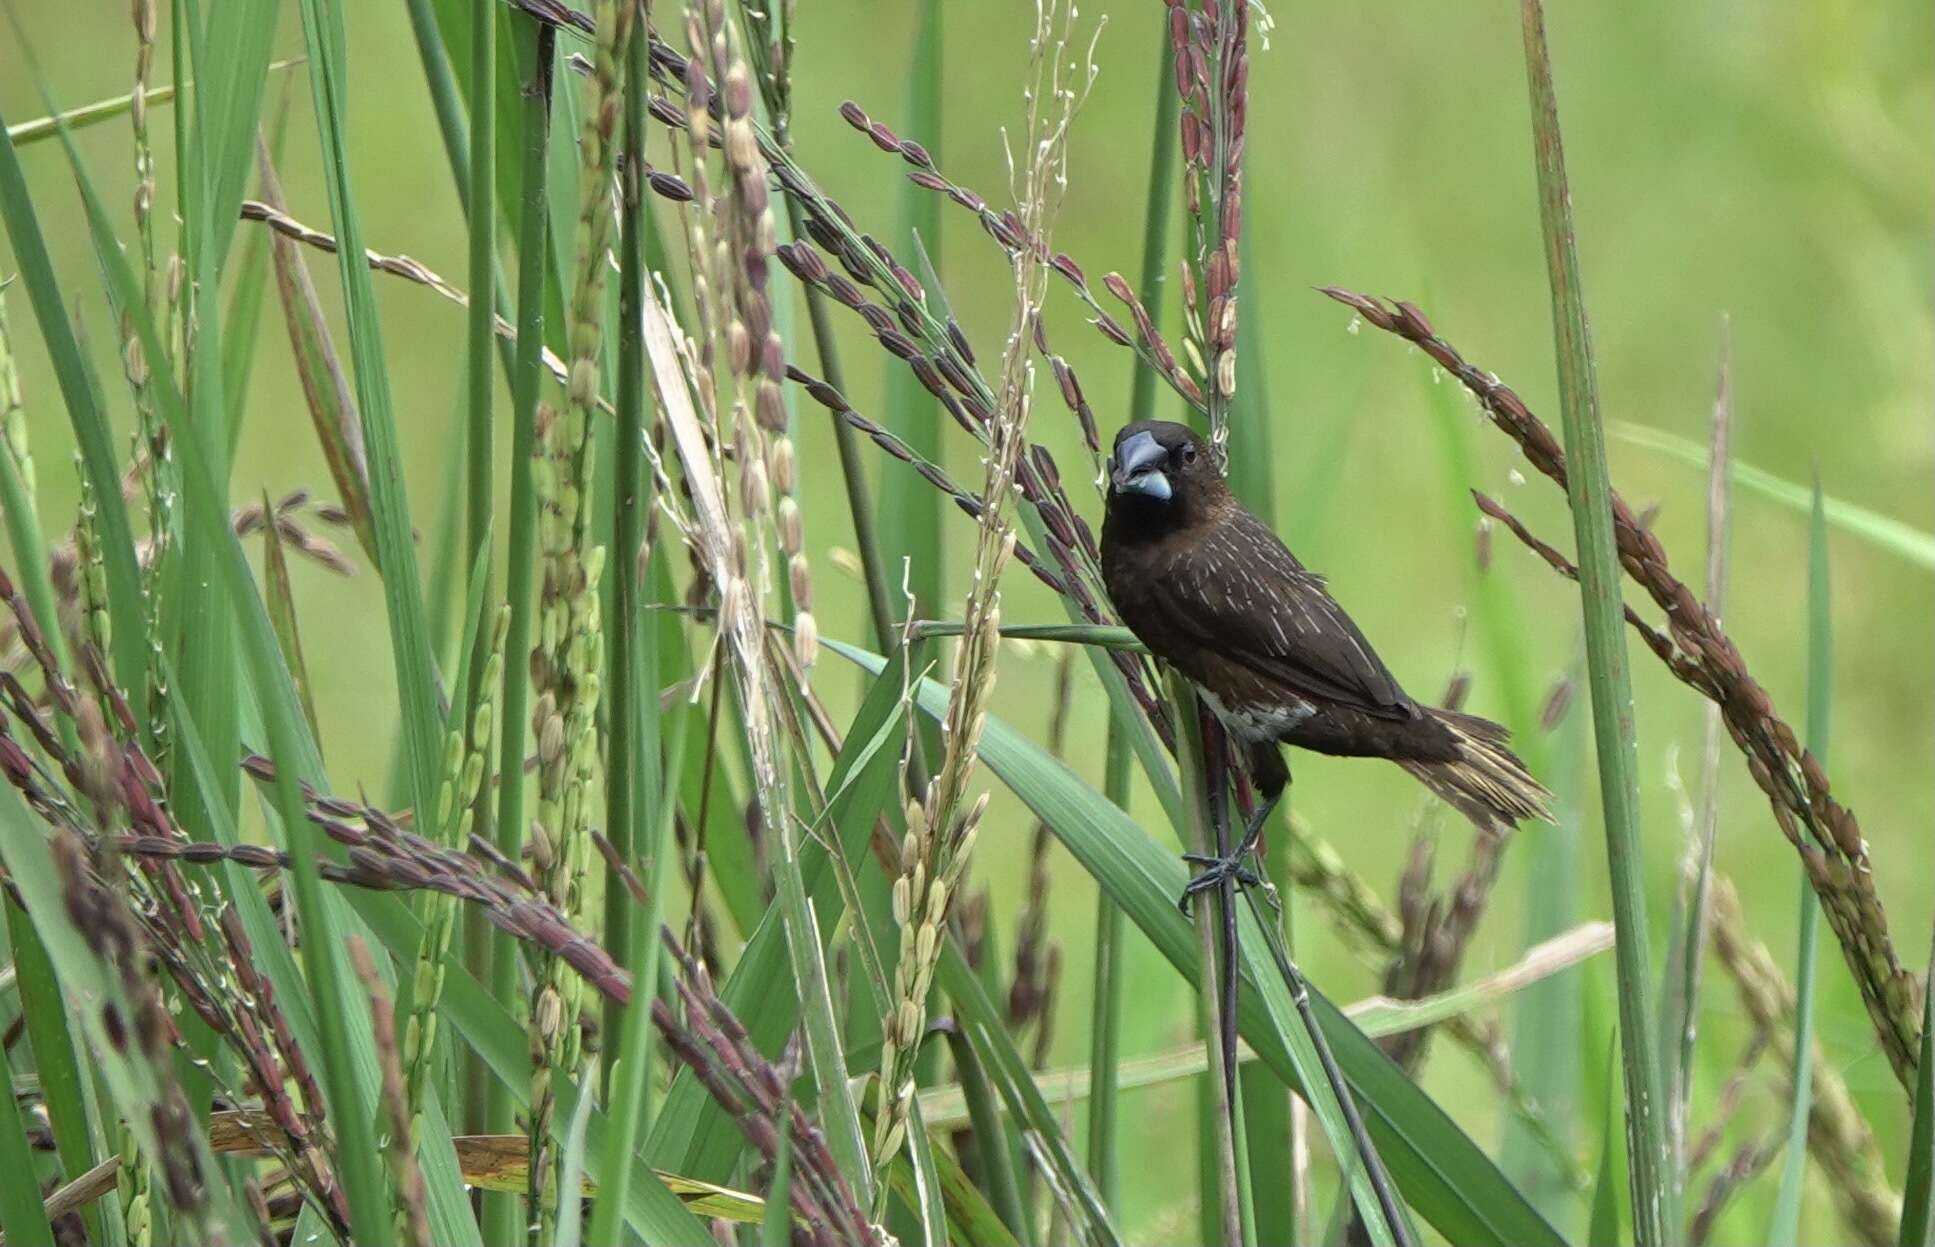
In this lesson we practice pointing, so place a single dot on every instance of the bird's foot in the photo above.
(1216, 872)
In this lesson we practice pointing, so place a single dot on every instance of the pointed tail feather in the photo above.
(1486, 782)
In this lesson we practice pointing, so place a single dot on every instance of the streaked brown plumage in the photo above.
(1211, 590)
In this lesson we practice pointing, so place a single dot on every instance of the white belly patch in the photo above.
(1260, 723)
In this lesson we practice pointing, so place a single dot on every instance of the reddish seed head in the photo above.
(856, 116)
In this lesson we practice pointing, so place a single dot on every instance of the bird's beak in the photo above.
(1138, 468)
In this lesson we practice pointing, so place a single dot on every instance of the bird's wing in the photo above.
(1239, 593)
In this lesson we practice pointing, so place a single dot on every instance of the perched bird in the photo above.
(1211, 591)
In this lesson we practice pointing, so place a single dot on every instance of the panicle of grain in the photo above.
(767, 459)
(951, 376)
(932, 473)
(566, 662)
(466, 763)
(714, 1045)
(1010, 233)
(134, 1190)
(1698, 651)
(942, 822)
(932, 347)
(136, 1021)
(151, 437)
(1211, 43)
(412, 1216)
(769, 47)
(93, 572)
(1838, 1136)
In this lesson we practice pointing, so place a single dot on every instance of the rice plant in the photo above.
(607, 724)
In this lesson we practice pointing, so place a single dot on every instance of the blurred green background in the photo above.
(1767, 163)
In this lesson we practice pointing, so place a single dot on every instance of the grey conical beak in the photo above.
(1139, 462)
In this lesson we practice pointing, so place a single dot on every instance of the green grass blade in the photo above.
(1786, 1226)
(322, 22)
(996, 1167)
(233, 67)
(20, 1207)
(1884, 532)
(571, 1170)
(57, 1059)
(930, 1202)
(1105, 1025)
(1441, 1173)
(1655, 1212)
(632, 489)
(910, 510)
(1918, 1190)
(1606, 1220)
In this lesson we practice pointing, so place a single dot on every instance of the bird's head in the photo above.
(1161, 474)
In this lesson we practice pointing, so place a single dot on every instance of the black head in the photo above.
(1161, 474)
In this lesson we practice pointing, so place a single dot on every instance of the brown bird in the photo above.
(1211, 591)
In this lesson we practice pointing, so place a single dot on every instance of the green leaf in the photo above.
(390, 515)
(1606, 1223)
(910, 509)
(20, 1207)
(1654, 1187)
(1918, 1190)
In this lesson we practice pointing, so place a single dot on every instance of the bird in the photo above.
(1210, 590)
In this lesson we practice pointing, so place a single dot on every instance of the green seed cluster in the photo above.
(463, 779)
(566, 665)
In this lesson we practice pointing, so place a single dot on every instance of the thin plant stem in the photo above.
(1655, 1219)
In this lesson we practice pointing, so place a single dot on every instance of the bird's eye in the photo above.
(1189, 454)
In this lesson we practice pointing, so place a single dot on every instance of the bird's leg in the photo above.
(1234, 868)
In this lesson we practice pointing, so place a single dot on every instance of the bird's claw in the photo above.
(1215, 873)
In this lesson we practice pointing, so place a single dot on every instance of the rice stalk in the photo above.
(567, 663)
(1700, 654)
(1212, 70)
(399, 1149)
(467, 757)
(732, 551)
(151, 436)
(942, 822)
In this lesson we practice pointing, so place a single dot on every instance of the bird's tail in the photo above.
(1486, 782)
